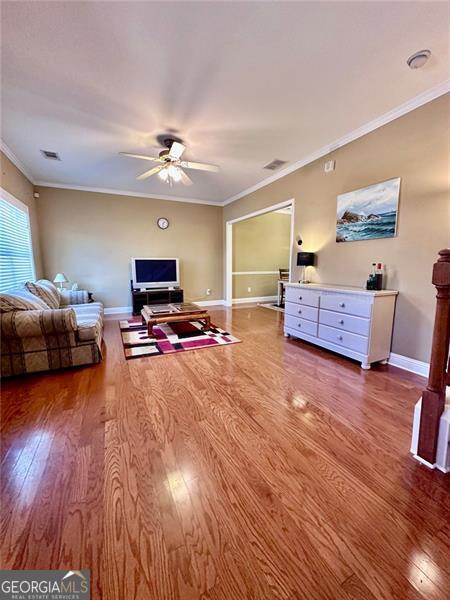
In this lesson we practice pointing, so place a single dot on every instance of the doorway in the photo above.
(257, 245)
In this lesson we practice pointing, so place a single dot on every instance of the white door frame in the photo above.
(229, 243)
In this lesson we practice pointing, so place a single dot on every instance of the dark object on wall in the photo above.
(299, 241)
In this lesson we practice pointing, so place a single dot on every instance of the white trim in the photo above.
(262, 211)
(228, 263)
(229, 242)
(82, 188)
(283, 211)
(399, 111)
(291, 241)
(210, 302)
(13, 158)
(409, 364)
(408, 106)
(118, 310)
(255, 273)
(424, 462)
(254, 299)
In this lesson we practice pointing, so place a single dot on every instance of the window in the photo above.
(16, 251)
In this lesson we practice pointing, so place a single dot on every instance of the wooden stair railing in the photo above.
(433, 397)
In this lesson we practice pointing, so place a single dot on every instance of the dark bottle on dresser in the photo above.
(379, 277)
(371, 281)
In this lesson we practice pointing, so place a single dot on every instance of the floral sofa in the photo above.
(44, 328)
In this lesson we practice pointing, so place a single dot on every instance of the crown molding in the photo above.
(19, 164)
(82, 188)
(399, 111)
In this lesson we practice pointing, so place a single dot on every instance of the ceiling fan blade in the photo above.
(176, 150)
(185, 178)
(199, 166)
(143, 156)
(150, 173)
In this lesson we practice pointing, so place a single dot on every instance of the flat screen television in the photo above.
(155, 272)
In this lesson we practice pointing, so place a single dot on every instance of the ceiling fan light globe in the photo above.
(164, 175)
(174, 173)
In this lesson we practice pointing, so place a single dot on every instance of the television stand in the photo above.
(155, 296)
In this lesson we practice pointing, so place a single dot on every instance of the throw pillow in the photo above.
(46, 291)
(20, 299)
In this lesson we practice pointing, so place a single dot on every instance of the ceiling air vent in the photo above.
(50, 155)
(275, 164)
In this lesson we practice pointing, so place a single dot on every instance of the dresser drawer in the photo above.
(352, 305)
(345, 322)
(302, 296)
(302, 325)
(344, 338)
(302, 310)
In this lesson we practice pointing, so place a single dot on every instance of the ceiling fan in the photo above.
(171, 168)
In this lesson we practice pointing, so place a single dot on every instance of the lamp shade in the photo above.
(305, 259)
(60, 278)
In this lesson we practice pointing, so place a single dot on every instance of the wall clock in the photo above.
(163, 223)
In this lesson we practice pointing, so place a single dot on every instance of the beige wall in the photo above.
(414, 147)
(261, 243)
(260, 286)
(15, 182)
(92, 236)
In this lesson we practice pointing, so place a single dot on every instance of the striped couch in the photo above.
(43, 328)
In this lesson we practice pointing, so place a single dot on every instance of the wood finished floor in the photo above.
(263, 470)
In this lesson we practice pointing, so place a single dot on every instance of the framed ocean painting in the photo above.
(368, 213)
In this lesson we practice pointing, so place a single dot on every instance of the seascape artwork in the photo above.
(368, 213)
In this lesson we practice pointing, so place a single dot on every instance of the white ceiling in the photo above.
(242, 83)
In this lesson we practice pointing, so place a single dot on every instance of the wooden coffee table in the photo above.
(169, 313)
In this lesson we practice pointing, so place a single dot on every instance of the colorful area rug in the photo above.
(170, 338)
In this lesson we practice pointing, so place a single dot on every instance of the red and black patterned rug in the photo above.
(170, 337)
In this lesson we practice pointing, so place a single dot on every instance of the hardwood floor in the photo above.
(263, 470)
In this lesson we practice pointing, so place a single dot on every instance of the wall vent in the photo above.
(275, 164)
(50, 155)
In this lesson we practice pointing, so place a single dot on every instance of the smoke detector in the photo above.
(418, 59)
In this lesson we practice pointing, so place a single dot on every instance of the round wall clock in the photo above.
(163, 223)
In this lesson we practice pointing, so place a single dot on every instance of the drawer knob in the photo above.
(341, 321)
(299, 311)
(299, 325)
(300, 297)
(342, 304)
(340, 338)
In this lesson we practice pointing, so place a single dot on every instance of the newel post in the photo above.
(433, 397)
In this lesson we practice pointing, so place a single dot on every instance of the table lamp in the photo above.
(305, 259)
(61, 279)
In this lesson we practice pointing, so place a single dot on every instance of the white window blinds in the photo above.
(16, 252)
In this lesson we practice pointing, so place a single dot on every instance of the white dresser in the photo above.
(348, 320)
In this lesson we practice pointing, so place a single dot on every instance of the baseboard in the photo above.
(118, 310)
(210, 302)
(254, 299)
(409, 364)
